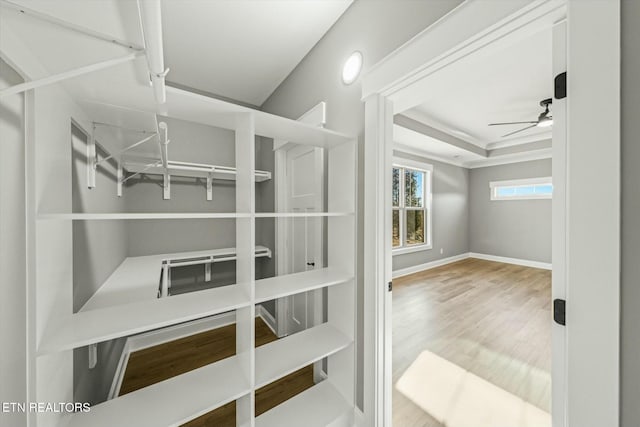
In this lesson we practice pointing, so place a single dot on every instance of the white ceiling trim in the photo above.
(511, 158)
(442, 127)
(473, 164)
(519, 141)
(415, 152)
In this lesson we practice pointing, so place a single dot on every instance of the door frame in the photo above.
(316, 116)
(585, 352)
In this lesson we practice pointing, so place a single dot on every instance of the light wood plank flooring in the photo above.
(488, 318)
(164, 361)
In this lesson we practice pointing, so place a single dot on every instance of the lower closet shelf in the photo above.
(287, 355)
(170, 402)
(319, 406)
(93, 326)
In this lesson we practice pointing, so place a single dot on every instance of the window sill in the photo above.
(410, 249)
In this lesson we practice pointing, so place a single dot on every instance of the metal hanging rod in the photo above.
(123, 128)
(149, 166)
(70, 26)
(110, 156)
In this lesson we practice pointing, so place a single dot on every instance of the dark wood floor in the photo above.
(164, 361)
(490, 319)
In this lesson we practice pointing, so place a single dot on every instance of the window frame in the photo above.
(526, 182)
(427, 169)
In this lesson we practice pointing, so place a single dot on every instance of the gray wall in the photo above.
(630, 351)
(450, 214)
(510, 228)
(375, 28)
(12, 249)
(98, 248)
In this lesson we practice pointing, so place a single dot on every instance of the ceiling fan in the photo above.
(544, 119)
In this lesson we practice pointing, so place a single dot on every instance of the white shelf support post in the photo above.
(91, 159)
(209, 188)
(93, 355)
(166, 186)
(207, 271)
(119, 178)
(245, 260)
(165, 280)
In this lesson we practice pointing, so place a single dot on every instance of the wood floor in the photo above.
(490, 319)
(164, 361)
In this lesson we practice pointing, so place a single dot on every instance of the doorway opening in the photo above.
(397, 85)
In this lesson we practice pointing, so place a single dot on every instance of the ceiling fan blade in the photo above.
(511, 123)
(520, 130)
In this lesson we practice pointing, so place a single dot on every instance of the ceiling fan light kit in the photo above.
(544, 119)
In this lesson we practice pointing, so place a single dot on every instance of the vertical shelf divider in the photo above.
(245, 264)
(341, 303)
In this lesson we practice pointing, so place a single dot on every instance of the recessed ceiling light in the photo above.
(352, 67)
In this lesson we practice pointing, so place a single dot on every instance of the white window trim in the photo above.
(493, 185)
(423, 167)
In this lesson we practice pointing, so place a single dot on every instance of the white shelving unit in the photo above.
(125, 306)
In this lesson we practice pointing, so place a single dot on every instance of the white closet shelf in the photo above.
(186, 169)
(184, 215)
(319, 406)
(185, 105)
(122, 215)
(289, 284)
(300, 214)
(94, 326)
(171, 402)
(137, 278)
(287, 355)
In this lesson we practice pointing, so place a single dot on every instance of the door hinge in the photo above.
(560, 86)
(559, 311)
(390, 286)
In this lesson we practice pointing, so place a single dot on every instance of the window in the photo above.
(411, 207)
(522, 189)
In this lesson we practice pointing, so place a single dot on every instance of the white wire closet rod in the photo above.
(191, 170)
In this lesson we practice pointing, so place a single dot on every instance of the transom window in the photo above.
(411, 207)
(522, 189)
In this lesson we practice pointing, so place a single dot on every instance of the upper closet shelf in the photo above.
(184, 215)
(192, 170)
(185, 105)
(137, 166)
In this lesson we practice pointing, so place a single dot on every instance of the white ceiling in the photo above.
(243, 49)
(484, 88)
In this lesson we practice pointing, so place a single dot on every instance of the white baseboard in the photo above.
(444, 261)
(516, 261)
(267, 317)
(428, 265)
